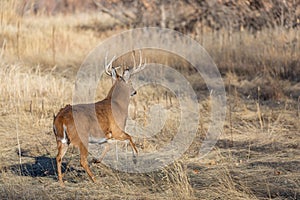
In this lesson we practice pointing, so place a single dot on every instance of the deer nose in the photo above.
(133, 93)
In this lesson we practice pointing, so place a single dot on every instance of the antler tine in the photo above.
(141, 66)
(133, 57)
(109, 65)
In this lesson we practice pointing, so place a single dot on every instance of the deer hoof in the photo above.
(134, 159)
(62, 184)
(96, 160)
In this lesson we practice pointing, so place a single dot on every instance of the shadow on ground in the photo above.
(43, 166)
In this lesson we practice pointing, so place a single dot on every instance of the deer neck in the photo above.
(119, 96)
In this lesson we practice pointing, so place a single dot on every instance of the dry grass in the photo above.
(257, 157)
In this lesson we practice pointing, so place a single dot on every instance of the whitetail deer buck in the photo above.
(96, 122)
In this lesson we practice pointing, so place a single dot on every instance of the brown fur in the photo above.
(94, 120)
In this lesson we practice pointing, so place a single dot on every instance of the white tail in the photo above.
(99, 128)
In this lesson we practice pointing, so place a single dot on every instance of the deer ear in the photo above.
(113, 73)
(126, 75)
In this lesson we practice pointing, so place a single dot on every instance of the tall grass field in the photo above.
(256, 157)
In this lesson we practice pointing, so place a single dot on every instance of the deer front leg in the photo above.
(106, 149)
(128, 137)
(133, 148)
(124, 136)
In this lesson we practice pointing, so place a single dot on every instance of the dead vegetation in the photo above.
(183, 15)
(257, 156)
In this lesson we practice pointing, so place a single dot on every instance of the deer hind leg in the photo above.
(84, 163)
(62, 149)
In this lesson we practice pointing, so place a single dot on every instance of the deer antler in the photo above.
(108, 67)
(141, 65)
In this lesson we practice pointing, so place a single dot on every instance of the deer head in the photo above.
(122, 87)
